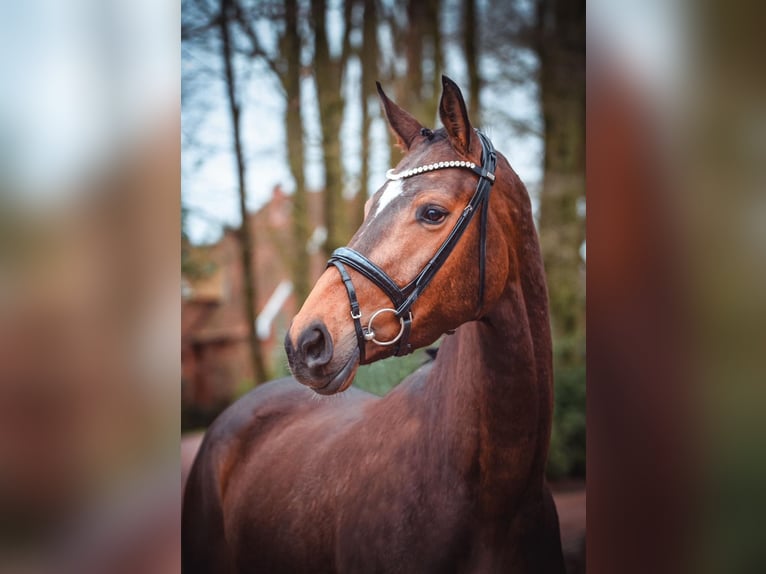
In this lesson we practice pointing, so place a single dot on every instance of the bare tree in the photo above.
(246, 237)
(369, 64)
(417, 42)
(420, 89)
(541, 46)
(285, 64)
(471, 51)
(207, 26)
(328, 74)
(561, 49)
(291, 43)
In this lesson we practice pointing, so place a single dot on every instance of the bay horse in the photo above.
(446, 472)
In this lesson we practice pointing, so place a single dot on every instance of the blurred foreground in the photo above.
(676, 288)
(89, 310)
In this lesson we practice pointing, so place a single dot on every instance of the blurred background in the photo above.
(283, 142)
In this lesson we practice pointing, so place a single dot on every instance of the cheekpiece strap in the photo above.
(356, 313)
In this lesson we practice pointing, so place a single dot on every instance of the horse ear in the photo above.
(454, 116)
(403, 125)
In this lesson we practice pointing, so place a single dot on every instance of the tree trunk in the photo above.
(328, 73)
(295, 154)
(246, 240)
(419, 93)
(431, 97)
(369, 65)
(471, 50)
(410, 90)
(561, 48)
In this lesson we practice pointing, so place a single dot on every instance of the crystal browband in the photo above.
(430, 167)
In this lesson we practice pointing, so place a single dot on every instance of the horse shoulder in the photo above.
(224, 451)
(278, 490)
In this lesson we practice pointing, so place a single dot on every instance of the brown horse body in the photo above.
(446, 472)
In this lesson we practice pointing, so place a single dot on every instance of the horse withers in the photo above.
(446, 472)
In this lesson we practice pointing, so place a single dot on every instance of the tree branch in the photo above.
(257, 50)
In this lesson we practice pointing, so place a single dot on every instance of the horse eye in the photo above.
(432, 214)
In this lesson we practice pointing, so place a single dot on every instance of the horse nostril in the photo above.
(315, 345)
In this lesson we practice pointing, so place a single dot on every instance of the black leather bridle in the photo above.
(404, 297)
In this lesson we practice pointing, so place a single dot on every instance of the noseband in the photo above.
(403, 298)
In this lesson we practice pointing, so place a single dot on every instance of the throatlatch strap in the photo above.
(482, 252)
(404, 347)
(489, 164)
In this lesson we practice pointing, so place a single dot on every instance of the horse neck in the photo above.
(493, 386)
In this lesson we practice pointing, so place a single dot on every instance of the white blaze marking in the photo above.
(393, 190)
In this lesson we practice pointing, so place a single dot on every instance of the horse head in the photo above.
(420, 264)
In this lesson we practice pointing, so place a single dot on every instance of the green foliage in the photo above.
(377, 378)
(278, 359)
(382, 376)
(567, 451)
(244, 386)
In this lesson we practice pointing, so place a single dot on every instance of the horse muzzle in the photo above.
(313, 362)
